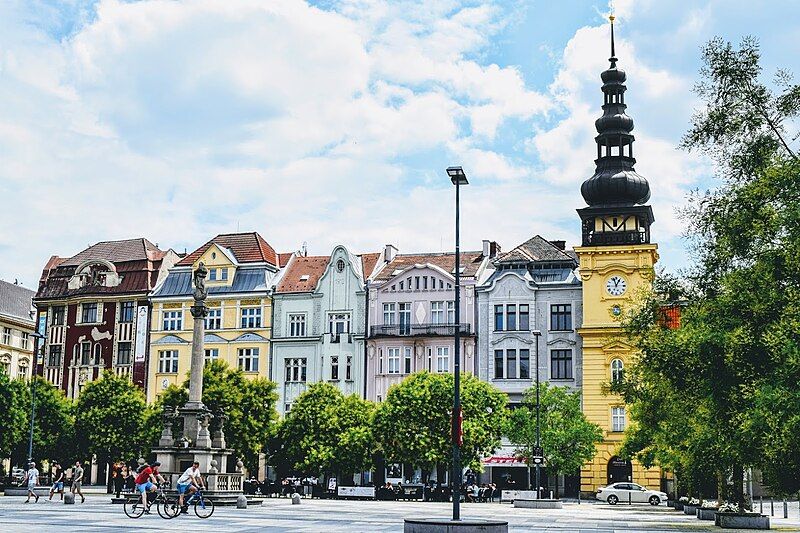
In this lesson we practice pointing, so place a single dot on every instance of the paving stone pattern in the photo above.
(329, 516)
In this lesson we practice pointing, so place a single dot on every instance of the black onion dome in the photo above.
(615, 182)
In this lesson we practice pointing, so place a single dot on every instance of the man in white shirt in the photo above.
(189, 482)
(32, 477)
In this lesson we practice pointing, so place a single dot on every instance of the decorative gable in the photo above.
(221, 264)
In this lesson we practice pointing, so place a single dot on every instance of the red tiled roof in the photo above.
(294, 279)
(368, 262)
(283, 258)
(470, 262)
(246, 247)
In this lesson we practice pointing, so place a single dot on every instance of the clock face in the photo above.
(616, 286)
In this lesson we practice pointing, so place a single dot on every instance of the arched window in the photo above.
(617, 367)
(340, 265)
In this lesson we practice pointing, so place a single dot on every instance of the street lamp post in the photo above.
(458, 178)
(36, 336)
(538, 453)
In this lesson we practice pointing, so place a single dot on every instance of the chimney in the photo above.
(490, 248)
(389, 251)
(561, 245)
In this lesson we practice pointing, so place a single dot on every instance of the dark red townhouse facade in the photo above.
(97, 311)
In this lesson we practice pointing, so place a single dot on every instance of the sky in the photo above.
(332, 122)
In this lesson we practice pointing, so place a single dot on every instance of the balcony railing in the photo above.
(418, 330)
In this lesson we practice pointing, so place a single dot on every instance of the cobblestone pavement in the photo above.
(97, 514)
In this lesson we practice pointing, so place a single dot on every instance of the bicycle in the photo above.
(203, 507)
(166, 508)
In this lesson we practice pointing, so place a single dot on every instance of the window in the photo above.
(511, 364)
(296, 370)
(561, 317)
(416, 282)
(511, 317)
(54, 358)
(404, 312)
(499, 367)
(297, 325)
(451, 312)
(617, 369)
(212, 274)
(524, 318)
(88, 313)
(57, 315)
(498, 318)
(211, 355)
(617, 419)
(335, 367)
(251, 317)
(168, 361)
(126, 311)
(561, 364)
(437, 312)
(349, 368)
(172, 320)
(218, 274)
(338, 323)
(223, 274)
(408, 353)
(98, 354)
(214, 318)
(425, 283)
(443, 359)
(248, 359)
(340, 265)
(24, 340)
(86, 353)
(393, 359)
(23, 371)
(388, 314)
(524, 364)
(124, 353)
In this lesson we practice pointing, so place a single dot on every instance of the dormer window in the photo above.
(304, 277)
(218, 274)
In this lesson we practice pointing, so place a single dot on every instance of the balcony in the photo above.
(419, 330)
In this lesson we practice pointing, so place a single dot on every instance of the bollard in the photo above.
(579, 497)
(785, 509)
(629, 497)
(241, 501)
(69, 498)
(771, 507)
(761, 502)
(295, 499)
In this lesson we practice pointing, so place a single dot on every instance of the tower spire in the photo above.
(613, 58)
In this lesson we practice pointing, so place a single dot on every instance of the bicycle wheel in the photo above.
(133, 508)
(204, 508)
(168, 509)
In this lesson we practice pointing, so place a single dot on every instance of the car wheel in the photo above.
(655, 500)
(612, 500)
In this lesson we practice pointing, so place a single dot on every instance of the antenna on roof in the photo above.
(304, 249)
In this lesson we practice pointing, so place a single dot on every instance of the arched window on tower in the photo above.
(617, 369)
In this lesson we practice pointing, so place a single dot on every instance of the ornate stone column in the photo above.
(194, 409)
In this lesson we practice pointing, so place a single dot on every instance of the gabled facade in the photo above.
(241, 268)
(97, 313)
(16, 327)
(532, 288)
(412, 316)
(320, 323)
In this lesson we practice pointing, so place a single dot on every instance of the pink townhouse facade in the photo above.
(411, 316)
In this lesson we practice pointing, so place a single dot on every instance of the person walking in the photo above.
(32, 478)
(77, 479)
(116, 475)
(58, 482)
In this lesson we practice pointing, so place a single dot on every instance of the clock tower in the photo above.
(616, 260)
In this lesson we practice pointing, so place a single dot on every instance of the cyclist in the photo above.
(146, 481)
(189, 482)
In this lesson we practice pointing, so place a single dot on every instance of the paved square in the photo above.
(97, 514)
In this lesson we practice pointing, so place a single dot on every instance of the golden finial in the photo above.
(611, 18)
(613, 58)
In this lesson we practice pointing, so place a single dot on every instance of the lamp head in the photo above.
(457, 175)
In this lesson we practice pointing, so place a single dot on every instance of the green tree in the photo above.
(14, 416)
(732, 366)
(567, 438)
(248, 404)
(327, 432)
(413, 424)
(54, 423)
(110, 419)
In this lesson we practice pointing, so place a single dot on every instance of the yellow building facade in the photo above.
(616, 261)
(239, 324)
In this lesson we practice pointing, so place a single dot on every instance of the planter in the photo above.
(706, 513)
(690, 509)
(742, 521)
(670, 503)
(678, 506)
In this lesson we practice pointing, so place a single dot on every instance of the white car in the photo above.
(630, 492)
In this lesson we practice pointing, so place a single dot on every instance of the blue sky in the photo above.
(332, 122)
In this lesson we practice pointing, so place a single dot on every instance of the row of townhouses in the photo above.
(365, 320)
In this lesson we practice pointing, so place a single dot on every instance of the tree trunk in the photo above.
(737, 494)
(720, 487)
(555, 494)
